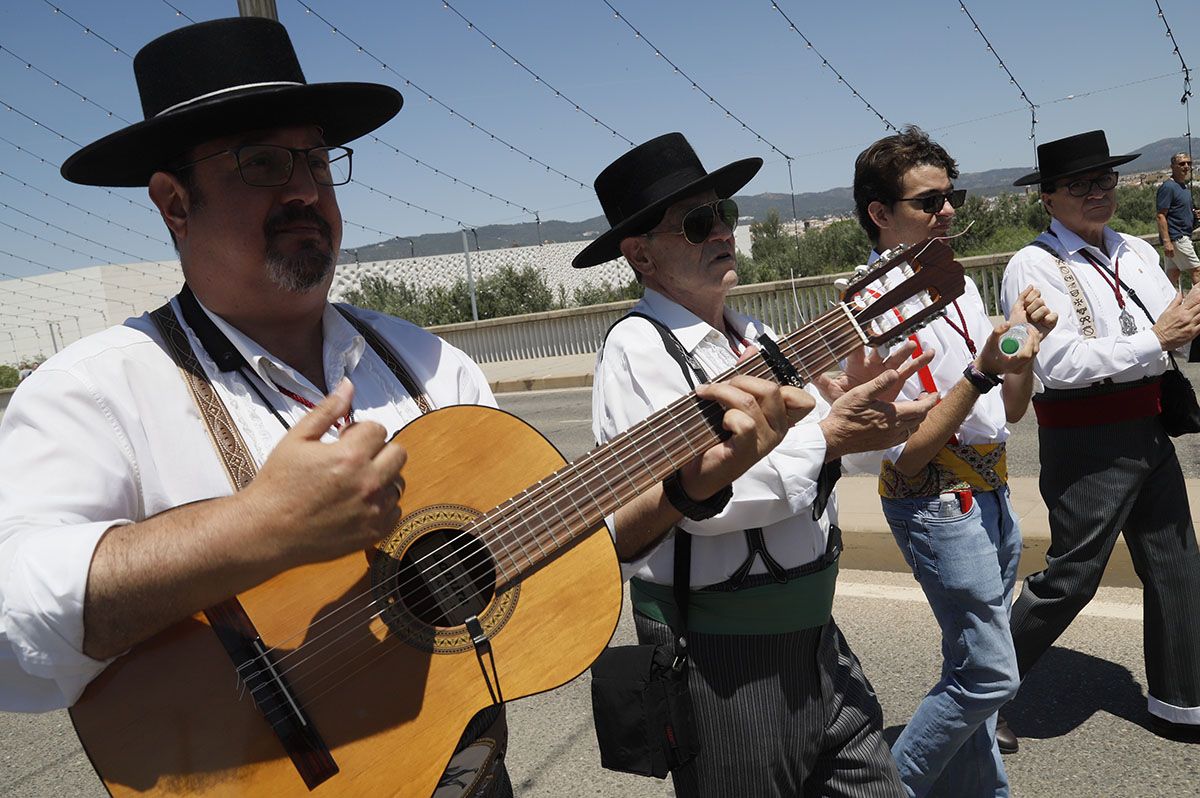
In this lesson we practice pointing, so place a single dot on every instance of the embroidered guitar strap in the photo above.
(1083, 311)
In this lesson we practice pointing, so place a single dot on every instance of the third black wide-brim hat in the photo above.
(219, 78)
(636, 189)
(1073, 155)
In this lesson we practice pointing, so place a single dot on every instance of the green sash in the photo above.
(803, 602)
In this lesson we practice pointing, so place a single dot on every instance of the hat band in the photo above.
(227, 90)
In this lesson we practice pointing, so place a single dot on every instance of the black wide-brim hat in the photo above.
(218, 78)
(636, 189)
(1073, 155)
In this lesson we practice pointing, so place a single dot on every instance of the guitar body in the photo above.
(388, 694)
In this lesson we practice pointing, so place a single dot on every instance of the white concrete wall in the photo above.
(83, 301)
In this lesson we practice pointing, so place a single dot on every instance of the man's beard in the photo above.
(302, 271)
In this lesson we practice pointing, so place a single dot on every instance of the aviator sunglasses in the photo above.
(933, 203)
(698, 222)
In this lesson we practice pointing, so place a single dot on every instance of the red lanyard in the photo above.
(1115, 282)
(962, 331)
(345, 420)
(733, 337)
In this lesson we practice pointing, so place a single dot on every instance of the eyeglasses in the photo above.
(699, 222)
(268, 165)
(935, 202)
(1184, 164)
(1083, 187)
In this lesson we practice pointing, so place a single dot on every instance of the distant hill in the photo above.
(813, 204)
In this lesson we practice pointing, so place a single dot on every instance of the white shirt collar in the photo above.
(689, 328)
(342, 348)
(1071, 243)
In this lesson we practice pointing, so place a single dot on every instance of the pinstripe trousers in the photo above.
(1097, 482)
(780, 716)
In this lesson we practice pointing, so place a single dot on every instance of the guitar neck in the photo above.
(530, 528)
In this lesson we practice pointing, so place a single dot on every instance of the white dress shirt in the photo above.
(1066, 359)
(106, 433)
(986, 423)
(635, 376)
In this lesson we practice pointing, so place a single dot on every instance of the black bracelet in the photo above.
(697, 511)
(982, 381)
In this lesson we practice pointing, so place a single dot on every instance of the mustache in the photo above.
(291, 214)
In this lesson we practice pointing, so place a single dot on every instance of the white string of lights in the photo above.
(1011, 78)
(536, 77)
(55, 166)
(74, 234)
(29, 65)
(414, 206)
(87, 30)
(450, 177)
(1187, 82)
(825, 63)
(431, 98)
(178, 11)
(42, 125)
(104, 219)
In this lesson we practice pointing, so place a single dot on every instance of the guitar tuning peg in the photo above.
(859, 271)
(841, 284)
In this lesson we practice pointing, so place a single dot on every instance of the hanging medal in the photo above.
(1113, 281)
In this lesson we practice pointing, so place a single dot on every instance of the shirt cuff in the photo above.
(43, 602)
(1147, 346)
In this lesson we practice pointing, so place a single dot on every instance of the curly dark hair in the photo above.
(880, 168)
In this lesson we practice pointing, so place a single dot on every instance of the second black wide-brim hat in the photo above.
(637, 188)
(219, 78)
(1073, 155)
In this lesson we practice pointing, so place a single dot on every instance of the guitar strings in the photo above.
(635, 442)
(679, 450)
(312, 681)
(503, 513)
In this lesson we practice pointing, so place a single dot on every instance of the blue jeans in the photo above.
(967, 566)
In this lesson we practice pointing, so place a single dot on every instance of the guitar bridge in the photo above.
(271, 692)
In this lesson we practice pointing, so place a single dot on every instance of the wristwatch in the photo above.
(982, 381)
(697, 511)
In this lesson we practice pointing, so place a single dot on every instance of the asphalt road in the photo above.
(1081, 713)
(565, 417)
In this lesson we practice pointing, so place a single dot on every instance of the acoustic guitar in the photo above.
(356, 677)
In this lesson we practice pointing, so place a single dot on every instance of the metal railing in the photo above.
(783, 305)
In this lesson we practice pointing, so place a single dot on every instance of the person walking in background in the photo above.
(1176, 218)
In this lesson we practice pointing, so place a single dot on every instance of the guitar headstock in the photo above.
(904, 290)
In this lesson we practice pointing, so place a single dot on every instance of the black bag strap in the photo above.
(682, 579)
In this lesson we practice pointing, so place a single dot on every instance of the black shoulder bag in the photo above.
(640, 701)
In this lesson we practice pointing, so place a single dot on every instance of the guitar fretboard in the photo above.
(548, 517)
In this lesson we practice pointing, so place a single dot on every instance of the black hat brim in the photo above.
(128, 157)
(725, 181)
(1036, 176)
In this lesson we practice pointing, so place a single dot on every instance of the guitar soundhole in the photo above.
(445, 576)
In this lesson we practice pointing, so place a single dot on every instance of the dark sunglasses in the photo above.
(1083, 187)
(934, 202)
(698, 222)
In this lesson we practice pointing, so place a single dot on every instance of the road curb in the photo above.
(541, 383)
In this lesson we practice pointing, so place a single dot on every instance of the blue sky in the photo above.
(915, 62)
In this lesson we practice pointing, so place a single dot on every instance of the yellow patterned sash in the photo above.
(981, 467)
